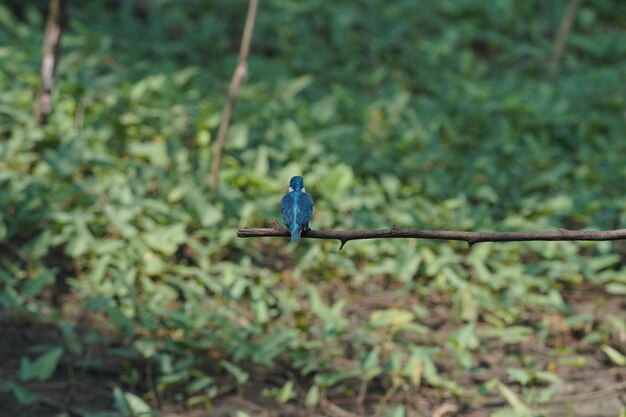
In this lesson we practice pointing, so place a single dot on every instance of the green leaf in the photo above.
(336, 182)
(153, 263)
(369, 360)
(286, 393)
(512, 398)
(137, 406)
(237, 138)
(149, 83)
(80, 243)
(616, 356)
(370, 365)
(408, 264)
(34, 287)
(545, 395)
(21, 394)
(130, 404)
(71, 338)
(262, 164)
(391, 317)
(41, 368)
(616, 288)
(240, 375)
(332, 317)
(396, 411)
(465, 305)
(294, 86)
(208, 214)
(466, 337)
(120, 402)
(200, 384)
(166, 239)
(154, 152)
(545, 376)
(312, 396)
(518, 375)
(146, 346)
(183, 76)
(7, 20)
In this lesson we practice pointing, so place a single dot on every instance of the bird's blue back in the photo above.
(297, 208)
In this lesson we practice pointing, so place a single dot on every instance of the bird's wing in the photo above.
(285, 207)
(305, 209)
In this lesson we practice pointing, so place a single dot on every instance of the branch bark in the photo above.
(233, 91)
(49, 60)
(471, 238)
(561, 37)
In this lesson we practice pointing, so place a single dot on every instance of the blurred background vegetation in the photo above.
(124, 290)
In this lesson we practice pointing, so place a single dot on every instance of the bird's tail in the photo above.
(294, 228)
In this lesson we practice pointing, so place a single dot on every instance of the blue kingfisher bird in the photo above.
(297, 208)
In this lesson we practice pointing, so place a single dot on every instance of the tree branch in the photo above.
(233, 92)
(470, 237)
(561, 37)
(49, 60)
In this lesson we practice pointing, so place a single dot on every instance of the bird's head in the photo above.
(296, 184)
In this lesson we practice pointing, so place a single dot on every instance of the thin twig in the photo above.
(336, 410)
(60, 405)
(579, 397)
(233, 91)
(561, 37)
(238, 399)
(444, 409)
(470, 237)
(49, 60)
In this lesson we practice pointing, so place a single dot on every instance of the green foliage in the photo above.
(42, 368)
(437, 116)
(128, 404)
(21, 394)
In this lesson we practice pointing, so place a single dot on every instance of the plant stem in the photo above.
(49, 60)
(233, 91)
(561, 37)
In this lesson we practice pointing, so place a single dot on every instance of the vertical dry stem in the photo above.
(561, 37)
(49, 60)
(233, 91)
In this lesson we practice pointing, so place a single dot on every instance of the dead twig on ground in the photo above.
(335, 410)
